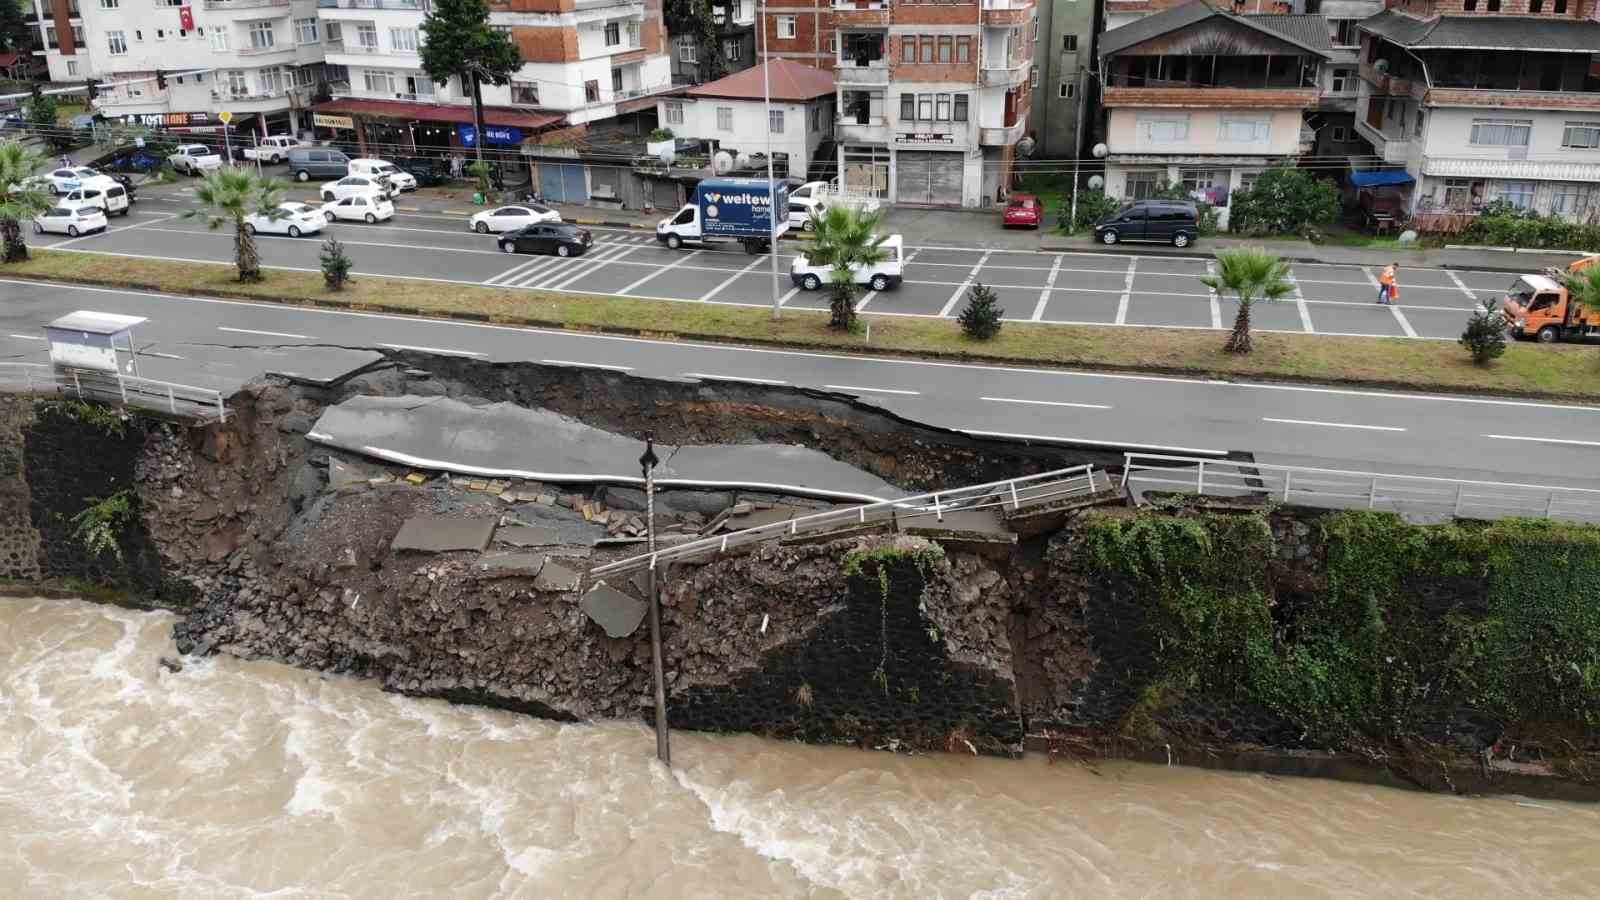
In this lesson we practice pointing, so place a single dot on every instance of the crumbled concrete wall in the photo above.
(19, 540)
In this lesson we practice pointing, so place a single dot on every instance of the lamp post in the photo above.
(648, 463)
(772, 207)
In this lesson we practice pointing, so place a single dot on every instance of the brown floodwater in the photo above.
(234, 779)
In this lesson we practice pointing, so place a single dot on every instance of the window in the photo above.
(378, 81)
(908, 49)
(688, 50)
(1561, 7)
(816, 118)
(237, 85)
(138, 36)
(736, 10)
(72, 67)
(419, 86)
(1345, 33)
(1069, 43)
(1163, 129)
(1536, 6)
(925, 43)
(51, 38)
(271, 81)
(1501, 132)
(1066, 90)
(1142, 185)
(77, 35)
(946, 48)
(1459, 193)
(616, 81)
(404, 40)
(775, 121)
(1033, 76)
(1247, 180)
(1035, 35)
(941, 110)
(1516, 193)
(785, 27)
(963, 48)
(525, 94)
(908, 107)
(109, 4)
(1493, 5)
(591, 91)
(219, 40)
(633, 34)
(925, 107)
(305, 31)
(260, 35)
(1338, 135)
(1343, 81)
(1210, 185)
(961, 108)
(730, 50)
(161, 34)
(1581, 136)
(613, 34)
(1244, 130)
(367, 36)
(116, 42)
(1570, 198)
(724, 118)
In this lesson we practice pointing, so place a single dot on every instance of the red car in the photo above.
(1023, 211)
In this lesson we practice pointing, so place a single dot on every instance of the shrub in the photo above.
(1521, 230)
(336, 265)
(1093, 205)
(1485, 335)
(1284, 200)
(1166, 190)
(980, 319)
(661, 134)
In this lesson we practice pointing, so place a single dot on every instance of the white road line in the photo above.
(1127, 291)
(282, 237)
(1331, 424)
(529, 275)
(1543, 440)
(944, 311)
(282, 334)
(1371, 278)
(1405, 324)
(706, 297)
(26, 337)
(709, 377)
(159, 355)
(586, 365)
(1216, 303)
(1461, 284)
(869, 390)
(514, 270)
(1129, 445)
(865, 299)
(784, 300)
(1300, 303)
(589, 268)
(432, 350)
(1045, 402)
(1044, 295)
(671, 265)
(110, 231)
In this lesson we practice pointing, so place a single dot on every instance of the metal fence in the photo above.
(109, 387)
(1341, 489)
(1011, 494)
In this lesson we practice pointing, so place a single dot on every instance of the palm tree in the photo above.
(19, 198)
(1583, 286)
(1249, 274)
(846, 239)
(229, 195)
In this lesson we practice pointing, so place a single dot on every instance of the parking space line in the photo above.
(1300, 303)
(706, 297)
(985, 258)
(1044, 295)
(944, 311)
(1371, 278)
(862, 303)
(26, 337)
(1405, 324)
(1127, 291)
(1046, 402)
(1332, 424)
(672, 265)
(782, 301)
(591, 267)
(110, 231)
(1461, 284)
(1216, 304)
(869, 390)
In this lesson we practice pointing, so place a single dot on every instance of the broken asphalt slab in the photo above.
(432, 534)
(613, 610)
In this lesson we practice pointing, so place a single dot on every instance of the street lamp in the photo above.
(647, 463)
(772, 206)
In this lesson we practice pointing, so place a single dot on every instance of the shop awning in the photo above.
(435, 112)
(1380, 179)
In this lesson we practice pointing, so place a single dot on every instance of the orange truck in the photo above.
(1537, 308)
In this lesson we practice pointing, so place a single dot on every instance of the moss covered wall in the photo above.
(19, 540)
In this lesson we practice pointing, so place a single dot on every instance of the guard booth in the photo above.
(93, 357)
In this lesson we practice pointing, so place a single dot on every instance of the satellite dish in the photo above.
(722, 162)
(1381, 65)
(667, 156)
(1096, 182)
(1026, 146)
(1100, 151)
(743, 160)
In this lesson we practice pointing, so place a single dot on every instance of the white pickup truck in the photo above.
(829, 193)
(273, 149)
(194, 159)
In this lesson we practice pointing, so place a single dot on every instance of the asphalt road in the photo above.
(220, 344)
(1078, 288)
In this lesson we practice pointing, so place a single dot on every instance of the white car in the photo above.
(879, 277)
(510, 218)
(70, 221)
(194, 159)
(369, 208)
(351, 185)
(294, 220)
(71, 178)
(801, 211)
(273, 149)
(381, 168)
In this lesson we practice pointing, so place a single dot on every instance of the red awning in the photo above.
(432, 112)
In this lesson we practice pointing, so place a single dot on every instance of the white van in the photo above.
(376, 168)
(103, 192)
(801, 210)
(881, 277)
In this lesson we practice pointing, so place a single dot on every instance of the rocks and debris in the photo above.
(170, 664)
(613, 610)
(416, 478)
(556, 577)
(520, 564)
(342, 473)
(433, 534)
(518, 535)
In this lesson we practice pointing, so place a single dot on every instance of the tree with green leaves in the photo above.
(229, 195)
(15, 32)
(1284, 200)
(1249, 274)
(846, 240)
(457, 41)
(20, 197)
(1583, 286)
(336, 265)
(1485, 335)
(981, 317)
(42, 111)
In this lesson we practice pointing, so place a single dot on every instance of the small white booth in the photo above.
(94, 342)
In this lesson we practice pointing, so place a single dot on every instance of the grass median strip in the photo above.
(1554, 372)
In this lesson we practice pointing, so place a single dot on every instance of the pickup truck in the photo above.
(273, 149)
(194, 159)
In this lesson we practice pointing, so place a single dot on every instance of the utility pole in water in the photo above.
(648, 463)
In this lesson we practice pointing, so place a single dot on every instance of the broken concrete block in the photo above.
(545, 499)
(433, 534)
(477, 485)
(613, 610)
(556, 577)
(526, 535)
(416, 478)
(521, 564)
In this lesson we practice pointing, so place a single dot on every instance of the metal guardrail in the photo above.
(1341, 489)
(178, 399)
(1030, 490)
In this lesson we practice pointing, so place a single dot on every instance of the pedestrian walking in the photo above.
(66, 161)
(456, 164)
(1388, 289)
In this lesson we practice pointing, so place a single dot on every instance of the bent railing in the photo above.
(109, 387)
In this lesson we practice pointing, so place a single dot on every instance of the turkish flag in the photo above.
(186, 18)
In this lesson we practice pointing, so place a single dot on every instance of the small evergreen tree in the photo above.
(1485, 336)
(42, 112)
(980, 318)
(15, 32)
(336, 265)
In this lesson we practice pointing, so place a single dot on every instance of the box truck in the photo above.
(730, 209)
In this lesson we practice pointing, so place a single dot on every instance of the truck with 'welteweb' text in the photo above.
(730, 209)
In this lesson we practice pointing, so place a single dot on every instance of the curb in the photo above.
(776, 343)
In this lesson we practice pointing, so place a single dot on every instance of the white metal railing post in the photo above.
(76, 386)
(1372, 493)
(1550, 504)
(1457, 510)
(172, 401)
(1200, 480)
(938, 511)
(1288, 474)
(122, 388)
(1015, 504)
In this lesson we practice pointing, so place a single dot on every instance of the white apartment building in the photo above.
(732, 112)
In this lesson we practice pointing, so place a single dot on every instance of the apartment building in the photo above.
(733, 112)
(1209, 99)
(1485, 100)
(1064, 55)
(1339, 146)
(60, 37)
(730, 48)
(798, 30)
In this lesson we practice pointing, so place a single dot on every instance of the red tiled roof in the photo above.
(1209, 98)
(791, 81)
(432, 112)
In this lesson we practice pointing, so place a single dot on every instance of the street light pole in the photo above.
(1077, 149)
(772, 182)
(648, 463)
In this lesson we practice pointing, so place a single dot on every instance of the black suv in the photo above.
(1174, 222)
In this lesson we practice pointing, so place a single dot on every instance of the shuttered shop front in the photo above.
(928, 177)
(563, 182)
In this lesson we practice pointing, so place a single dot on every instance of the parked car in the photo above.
(428, 172)
(1162, 221)
(380, 168)
(560, 238)
(274, 149)
(70, 221)
(70, 178)
(510, 218)
(880, 277)
(1022, 211)
(351, 185)
(107, 194)
(194, 159)
(294, 219)
(317, 162)
(801, 211)
(370, 208)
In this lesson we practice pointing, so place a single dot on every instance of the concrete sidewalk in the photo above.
(1303, 251)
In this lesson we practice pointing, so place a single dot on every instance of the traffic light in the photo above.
(161, 79)
(94, 88)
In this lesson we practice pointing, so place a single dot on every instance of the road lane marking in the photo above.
(1127, 445)
(532, 273)
(1543, 440)
(586, 365)
(672, 265)
(282, 334)
(159, 355)
(110, 231)
(1405, 324)
(784, 300)
(1046, 402)
(1332, 424)
(706, 297)
(709, 377)
(867, 298)
(1216, 303)
(26, 337)
(870, 390)
(1461, 284)
(1127, 291)
(973, 275)
(1371, 278)
(1300, 304)
(1044, 295)
(944, 311)
(514, 270)
(440, 350)
(584, 269)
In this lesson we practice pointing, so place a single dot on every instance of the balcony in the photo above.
(274, 50)
(862, 129)
(1002, 137)
(1008, 76)
(861, 13)
(847, 72)
(1386, 83)
(420, 5)
(1387, 137)
(1007, 13)
(243, 4)
(1574, 101)
(1191, 97)
(253, 101)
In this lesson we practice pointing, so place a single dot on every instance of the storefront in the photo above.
(929, 177)
(398, 128)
